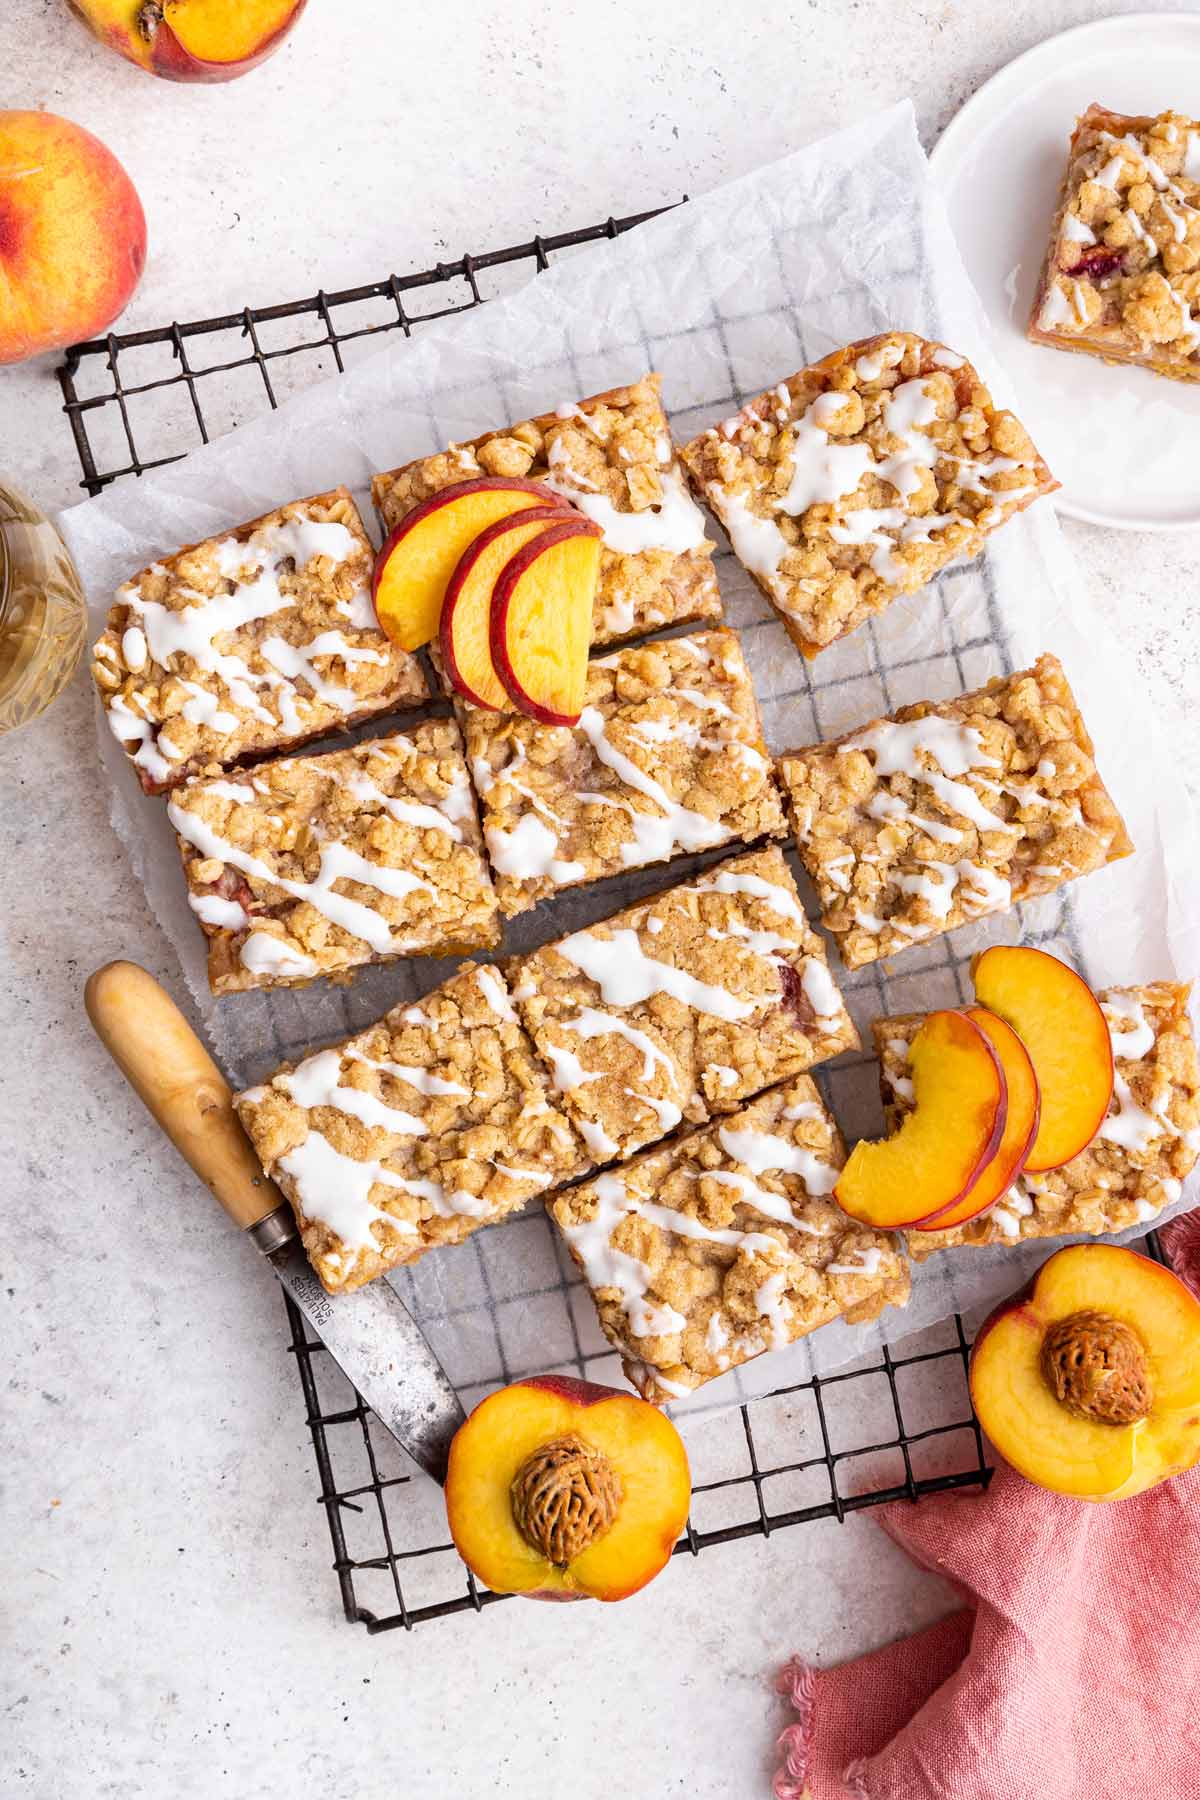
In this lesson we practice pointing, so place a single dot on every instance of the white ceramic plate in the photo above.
(1124, 443)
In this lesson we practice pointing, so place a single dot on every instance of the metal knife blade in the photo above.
(381, 1349)
(370, 1333)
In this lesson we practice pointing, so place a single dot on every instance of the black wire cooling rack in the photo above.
(819, 1449)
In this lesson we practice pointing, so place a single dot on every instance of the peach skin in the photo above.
(191, 40)
(562, 1490)
(72, 235)
(1020, 1126)
(541, 622)
(1088, 1381)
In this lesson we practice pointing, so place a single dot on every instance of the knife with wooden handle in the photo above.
(370, 1333)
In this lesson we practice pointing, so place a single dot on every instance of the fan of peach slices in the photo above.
(502, 572)
(1018, 1083)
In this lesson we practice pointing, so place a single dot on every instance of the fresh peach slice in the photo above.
(563, 1490)
(1020, 1126)
(465, 629)
(419, 557)
(541, 621)
(945, 1142)
(1059, 1021)
(1088, 1381)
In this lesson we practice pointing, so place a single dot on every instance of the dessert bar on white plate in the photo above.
(944, 813)
(727, 1242)
(612, 457)
(318, 864)
(434, 1121)
(1121, 278)
(668, 757)
(250, 643)
(683, 1005)
(1139, 1159)
(856, 480)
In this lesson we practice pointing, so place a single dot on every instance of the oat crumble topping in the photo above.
(667, 757)
(253, 642)
(856, 480)
(727, 1242)
(944, 813)
(318, 864)
(683, 1005)
(1122, 274)
(434, 1121)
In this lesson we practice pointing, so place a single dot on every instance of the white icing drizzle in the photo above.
(607, 1267)
(529, 852)
(423, 1080)
(757, 542)
(413, 812)
(762, 1152)
(956, 749)
(338, 862)
(1130, 1045)
(221, 914)
(335, 1189)
(822, 471)
(769, 1299)
(821, 993)
(675, 524)
(866, 1262)
(491, 985)
(264, 954)
(317, 1082)
(626, 976)
(597, 1139)
(655, 838)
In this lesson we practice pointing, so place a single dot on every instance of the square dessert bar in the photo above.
(683, 1005)
(250, 643)
(668, 756)
(1122, 274)
(856, 480)
(933, 818)
(414, 1133)
(318, 864)
(727, 1242)
(1138, 1160)
(612, 457)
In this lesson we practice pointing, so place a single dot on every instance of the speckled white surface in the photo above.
(173, 1623)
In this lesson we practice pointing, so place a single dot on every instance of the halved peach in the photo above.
(465, 629)
(564, 1490)
(541, 622)
(1088, 1381)
(1020, 1126)
(419, 557)
(1059, 1021)
(945, 1142)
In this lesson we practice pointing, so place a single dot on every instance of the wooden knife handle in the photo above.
(168, 1067)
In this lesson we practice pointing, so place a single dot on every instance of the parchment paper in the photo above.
(724, 295)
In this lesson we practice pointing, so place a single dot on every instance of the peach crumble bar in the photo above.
(319, 864)
(668, 756)
(856, 480)
(414, 1133)
(943, 813)
(683, 1005)
(727, 1242)
(1138, 1160)
(1122, 275)
(250, 643)
(612, 457)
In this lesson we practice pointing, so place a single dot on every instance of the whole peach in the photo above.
(72, 235)
(191, 40)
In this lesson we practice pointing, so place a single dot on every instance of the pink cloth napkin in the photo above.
(1073, 1672)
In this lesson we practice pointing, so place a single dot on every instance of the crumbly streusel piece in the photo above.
(414, 1133)
(250, 643)
(856, 480)
(668, 756)
(943, 813)
(683, 1005)
(1122, 274)
(1137, 1162)
(726, 1243)
(319, 864)
(613, 458)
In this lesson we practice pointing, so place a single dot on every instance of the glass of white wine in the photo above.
(43, 618)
